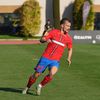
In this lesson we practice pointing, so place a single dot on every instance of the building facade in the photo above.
(8, 8)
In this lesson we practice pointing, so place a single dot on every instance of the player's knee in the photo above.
(36, 75)
(51, 75)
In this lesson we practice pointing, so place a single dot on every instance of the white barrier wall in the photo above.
(11, 2)
(66, 8)
(43, 14)
(46, 13)
(97, 2)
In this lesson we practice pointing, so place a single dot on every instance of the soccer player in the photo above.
(58, 41)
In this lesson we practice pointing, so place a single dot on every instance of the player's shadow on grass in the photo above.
(16, 90)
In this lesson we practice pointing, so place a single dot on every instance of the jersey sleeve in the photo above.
(69, 43)
(49, 35)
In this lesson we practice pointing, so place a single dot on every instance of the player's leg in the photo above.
(32, 80)
(41, 66)
(47, 79)
(53, 68)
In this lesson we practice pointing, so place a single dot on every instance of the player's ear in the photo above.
(62, 25)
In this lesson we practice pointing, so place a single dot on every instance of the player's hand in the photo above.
(48, 41)
(69, 62)
(45, 33)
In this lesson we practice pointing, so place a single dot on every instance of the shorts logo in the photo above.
(39, 67)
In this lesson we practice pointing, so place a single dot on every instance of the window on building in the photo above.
(8, 22)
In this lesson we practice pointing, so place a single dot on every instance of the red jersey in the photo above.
(58, 43)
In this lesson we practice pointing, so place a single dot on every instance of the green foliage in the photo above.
(56, 13)
(30, 18)
(77, 16)
(90, 20)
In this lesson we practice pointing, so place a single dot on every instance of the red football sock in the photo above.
(31, 81)
(46, 80)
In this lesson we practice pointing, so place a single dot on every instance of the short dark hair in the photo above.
(64, 20)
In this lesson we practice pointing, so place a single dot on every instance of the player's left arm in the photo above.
(70, 50)
(69, 55)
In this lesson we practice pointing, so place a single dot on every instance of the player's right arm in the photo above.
(43, 40)
(47, 36)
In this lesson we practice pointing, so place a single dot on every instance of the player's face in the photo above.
(66, 26)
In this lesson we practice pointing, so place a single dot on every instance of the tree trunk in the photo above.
(56, 14)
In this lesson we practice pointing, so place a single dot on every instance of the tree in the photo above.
(56, 13)
(78, 16)
(30, 18)
(90, 19)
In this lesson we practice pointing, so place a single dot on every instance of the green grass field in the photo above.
(79, 82)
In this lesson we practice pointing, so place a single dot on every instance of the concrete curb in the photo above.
(18, 39)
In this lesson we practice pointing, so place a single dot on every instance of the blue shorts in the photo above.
(44, 63)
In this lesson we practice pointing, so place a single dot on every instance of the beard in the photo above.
(65, 31)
